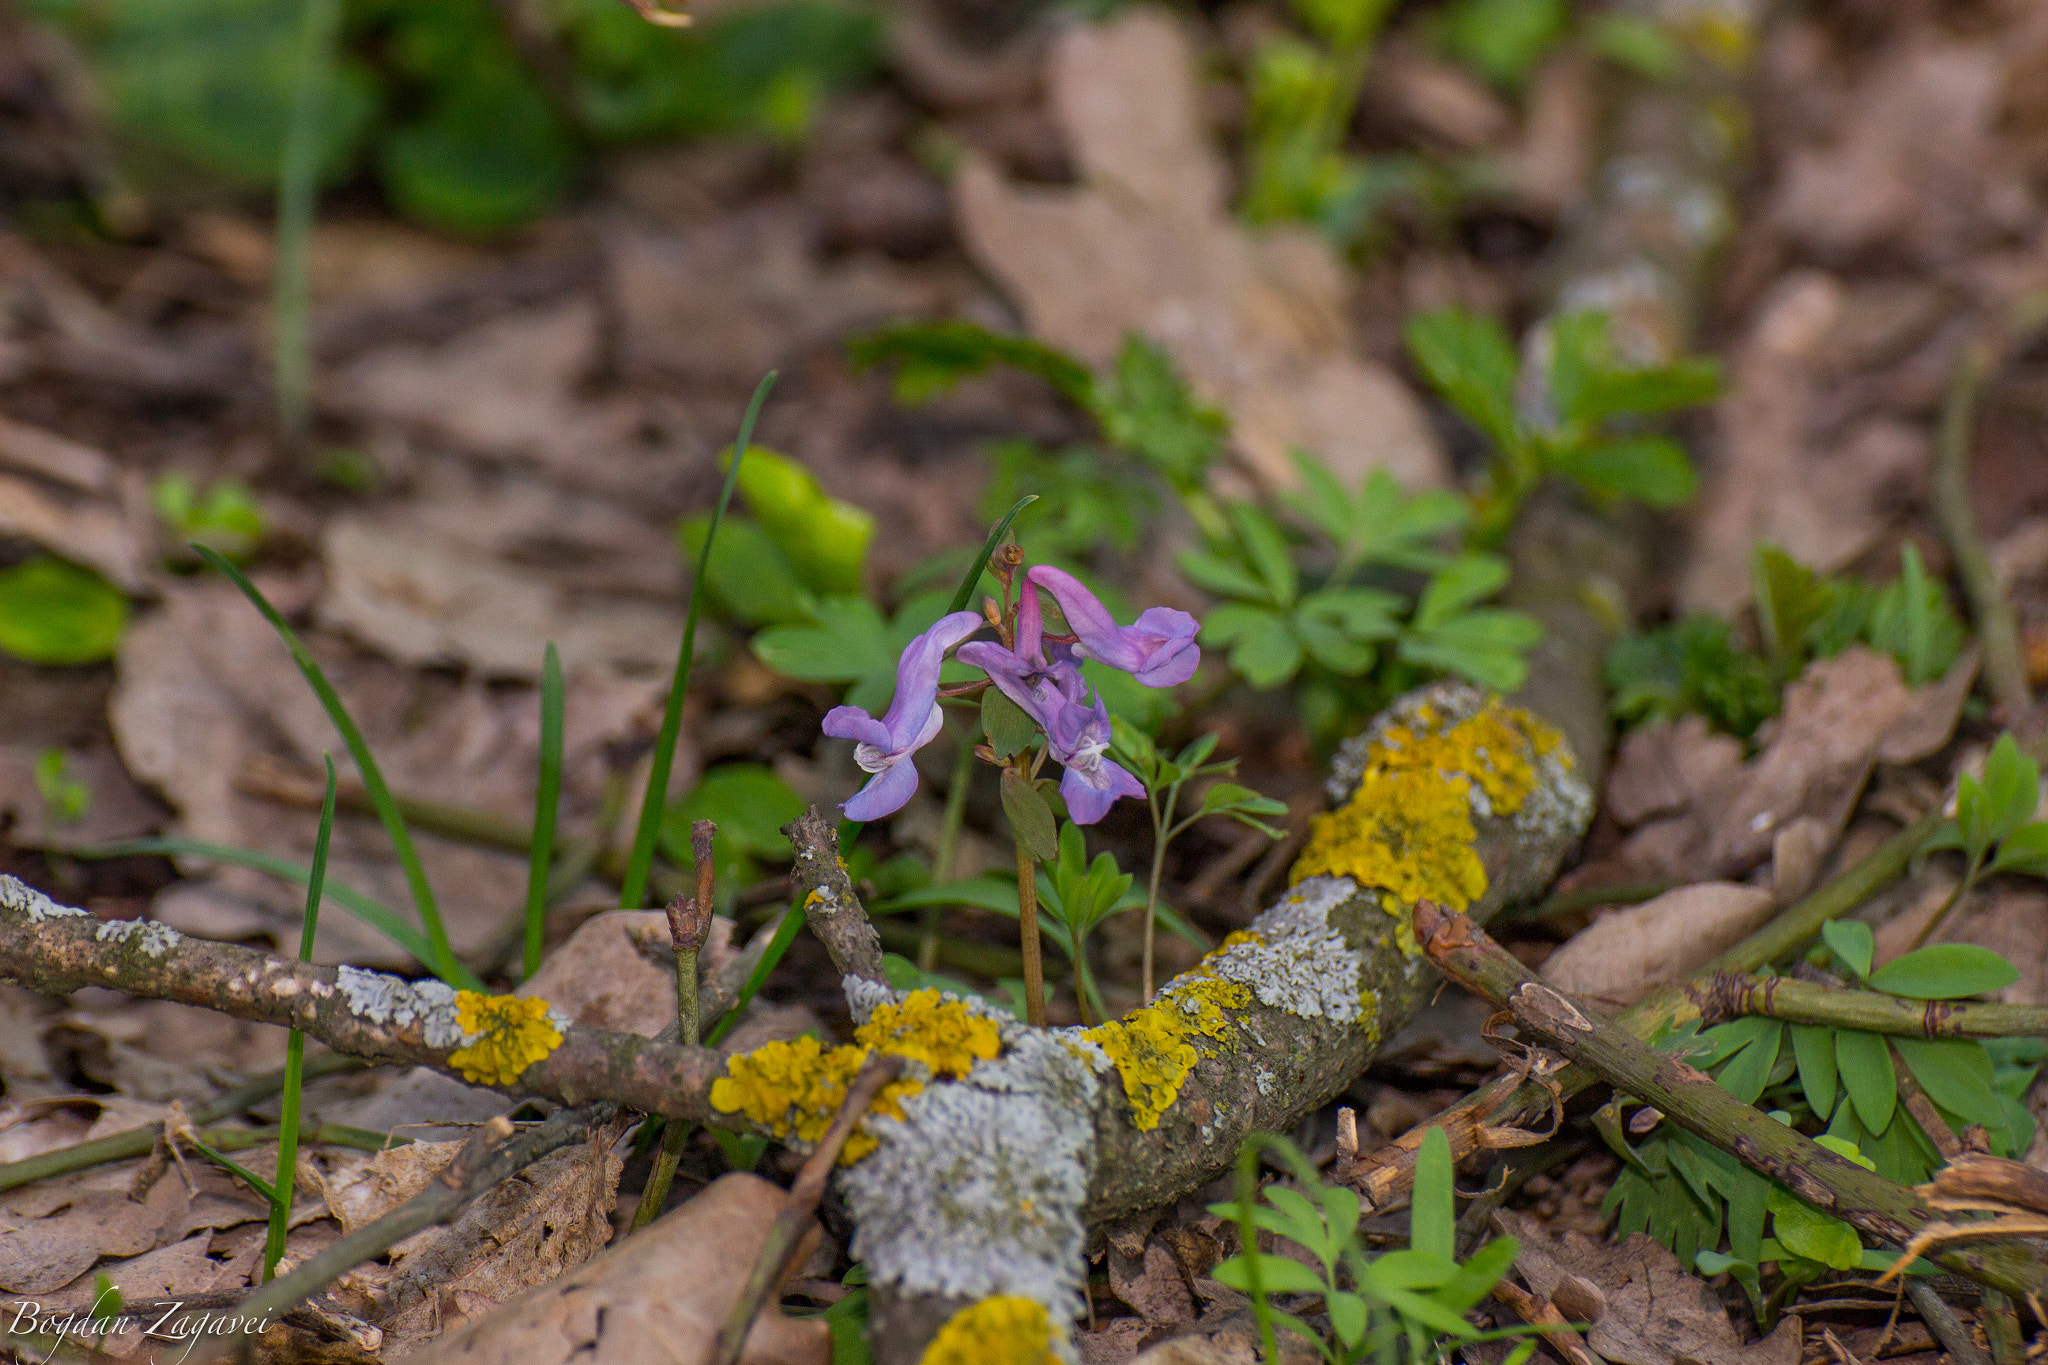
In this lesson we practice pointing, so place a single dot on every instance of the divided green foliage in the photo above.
(53, 612)
(1843, 1086)
(1402, 1305)
(1302, 93)
(1696, 664)
(225, 517)
(436, 101)
(1593, 437)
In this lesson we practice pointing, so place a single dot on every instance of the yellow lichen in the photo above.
(942, 1033)
(1408, 828)
(1005, 1330)
(1155, 1048)
(793, 1089)
(516, 1034)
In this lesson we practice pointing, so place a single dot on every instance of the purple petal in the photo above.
(1088, 803)
(1168, 639)
(1159, 649)
(886, 793)
(1008, 672)
(1030, 625)
(1086, 616)
(917, 678)
(850, 722)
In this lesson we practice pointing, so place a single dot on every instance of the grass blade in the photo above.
(440, 957)
(297, 189)
(785, 934)
(295, 1049)
(654, 804)
(379, 917)
(545, 805)
(988, 548)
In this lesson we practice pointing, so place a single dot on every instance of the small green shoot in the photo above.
(65, 798)
(441, 958)
(225, 517)
(107, 1304)
(295, 1049)
(653, 805)
(546, 806)
(55, 613)
(1163, 779)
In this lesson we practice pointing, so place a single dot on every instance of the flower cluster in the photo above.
(1041, 673)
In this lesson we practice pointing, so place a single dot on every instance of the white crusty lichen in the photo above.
(157, 939)
(1292, 959)
(385, 999)
(978, 1189)
(24, 899)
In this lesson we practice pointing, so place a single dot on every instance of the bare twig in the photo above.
(2005, 664)
(791, 1223)
(834, 910)
(687, 927)
(1557, 1333)
(1941, 1320)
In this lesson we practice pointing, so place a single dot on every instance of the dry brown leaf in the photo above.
(1823, 501)
(1657, 1313)
(656, 1297)
(422, 600)
(1152, 1284)
(115, 807)
(89, 531)
(601, 980)
(360, 1189)
(50, 456)
(1663, 765)
(53, 1231)
(1232, 1340)
(423, 1104)
(1839, 718)
(1147, 245)
(550, 1218)
(1623, 956)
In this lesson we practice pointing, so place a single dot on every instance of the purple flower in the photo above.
(914, 719)
(1158, 649)
(1056, 696)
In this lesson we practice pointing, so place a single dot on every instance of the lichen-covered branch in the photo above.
(831, 907)
(1006, 1141)
(1729, 995)
(1690, 1098)
(514, 1044)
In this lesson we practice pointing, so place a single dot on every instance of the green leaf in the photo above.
(1220, 576)
(1945, 971)
(484, 153)
(1805, 1231)
(824, 540)
(1265, 550)
(1380, 524)
(749, 803)
(1476, 1278)
(1864, 1064)
(1913, 622)
(1471, 362)
(1652, 470)
(1278, 1274)
(1503, 39)
(1006, 725)
(1488, 646)
(931, 357)
(1814, 1047)
(1956, 1074)
(1612, 393)
(1467, 580)
(848, 641)
(1348, 1316)
(1264, 649)
(1433, 1229)
(1145, 407)
(2025, 850)
(1747, 1073)
(1852, 943)
(52, 612)
(2012, 789)
(1640, 46)
(1030, 817)
(226, 518)
(65, 799)
(749, 580)
(1791, 600)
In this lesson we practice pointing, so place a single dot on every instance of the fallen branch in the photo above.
(1729, 995)
(829, 901)
(1690, 1098)
(1492, 1116)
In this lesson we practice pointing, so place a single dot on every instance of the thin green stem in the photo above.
(654, 804)
(948, 852)
(1159, 840)
(1955, 898)
(965, 592)
(295, 1047)
(1248, 1238)
(297, 191)
(546, 804)
(2005, 666)
(441, 957)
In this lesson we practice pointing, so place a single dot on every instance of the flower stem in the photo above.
(1159, 837)
(1027, 923)
(1940, 917)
